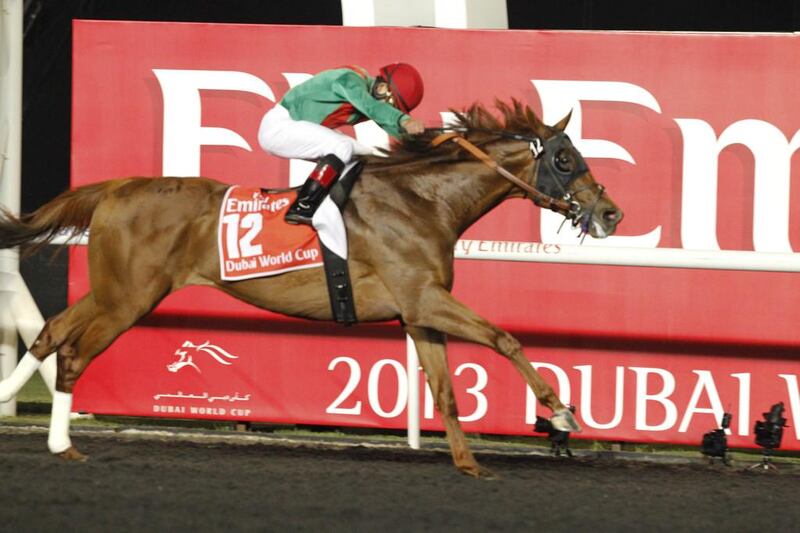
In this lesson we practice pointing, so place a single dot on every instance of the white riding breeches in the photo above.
(281, 135)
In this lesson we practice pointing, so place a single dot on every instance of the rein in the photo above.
(539, 198)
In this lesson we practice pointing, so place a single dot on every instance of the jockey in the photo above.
(302, 124)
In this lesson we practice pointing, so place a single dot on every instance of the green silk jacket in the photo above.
(341, 96)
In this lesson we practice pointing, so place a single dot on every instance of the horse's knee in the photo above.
(507, 345)
(46, 343)
(446, 402)
(448, 408)
(411, 319)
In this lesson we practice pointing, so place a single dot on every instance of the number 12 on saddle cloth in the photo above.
(254, 241)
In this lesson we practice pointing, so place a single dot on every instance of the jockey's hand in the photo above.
(412, 126)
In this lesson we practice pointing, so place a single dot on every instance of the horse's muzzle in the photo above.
(604, 223)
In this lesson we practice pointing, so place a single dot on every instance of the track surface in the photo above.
(133, 484)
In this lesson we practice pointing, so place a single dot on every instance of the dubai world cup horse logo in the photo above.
(186, 355)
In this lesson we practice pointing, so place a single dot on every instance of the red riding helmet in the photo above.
(405, 84)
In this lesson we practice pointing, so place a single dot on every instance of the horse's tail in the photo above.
(68, 214)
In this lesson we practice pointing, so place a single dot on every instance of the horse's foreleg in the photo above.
(438, 309)
(431, 348)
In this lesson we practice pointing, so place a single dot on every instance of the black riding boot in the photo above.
(314, 190)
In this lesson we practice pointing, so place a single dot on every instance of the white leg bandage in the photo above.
(58, 438)
(10, 386)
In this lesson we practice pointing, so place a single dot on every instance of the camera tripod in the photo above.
(766, 463)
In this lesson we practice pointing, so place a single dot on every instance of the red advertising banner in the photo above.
(694, 135)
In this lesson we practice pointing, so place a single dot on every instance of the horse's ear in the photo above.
(562, 125)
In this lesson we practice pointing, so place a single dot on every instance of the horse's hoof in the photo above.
(564, 420)
(72, 454)
(478, 472)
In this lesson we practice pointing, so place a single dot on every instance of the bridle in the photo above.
(553, 175)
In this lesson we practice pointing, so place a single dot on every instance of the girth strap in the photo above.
(340, 288)
(538, 198)
(337, 274)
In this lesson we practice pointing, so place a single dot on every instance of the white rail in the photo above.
(643, 257)
(534, 252)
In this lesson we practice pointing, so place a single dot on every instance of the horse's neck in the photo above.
(464, 194)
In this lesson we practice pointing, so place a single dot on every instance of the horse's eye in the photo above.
(563, 161)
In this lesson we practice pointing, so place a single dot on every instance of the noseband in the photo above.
(552, 176)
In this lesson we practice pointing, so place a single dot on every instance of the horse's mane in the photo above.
(515, 117)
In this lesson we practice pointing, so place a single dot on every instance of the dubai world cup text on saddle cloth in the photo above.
(254, 240)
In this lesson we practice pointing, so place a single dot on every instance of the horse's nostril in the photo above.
(612, 215)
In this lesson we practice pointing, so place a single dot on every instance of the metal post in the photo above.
(11, 103)
(412, 371)
(10, 166)
(8, 348)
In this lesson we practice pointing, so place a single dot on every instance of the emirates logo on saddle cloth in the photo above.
(254, 240)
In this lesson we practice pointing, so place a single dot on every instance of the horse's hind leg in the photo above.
(44, 346)
(77, 336)
(431, 348)
(100, 331)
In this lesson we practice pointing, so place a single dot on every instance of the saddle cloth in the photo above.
(254, 241)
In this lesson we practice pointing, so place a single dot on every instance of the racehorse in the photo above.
(152, 236)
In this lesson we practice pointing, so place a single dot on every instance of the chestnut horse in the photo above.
(150, 237)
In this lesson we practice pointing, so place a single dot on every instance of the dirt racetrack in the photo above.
(162, 484)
